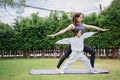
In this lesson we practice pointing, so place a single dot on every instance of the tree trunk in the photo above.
(113, 54)
(61, 52)
(25, 54)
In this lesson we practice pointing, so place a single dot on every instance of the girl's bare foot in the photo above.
(95, 70)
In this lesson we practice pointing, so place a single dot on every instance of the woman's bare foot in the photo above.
(57, 69)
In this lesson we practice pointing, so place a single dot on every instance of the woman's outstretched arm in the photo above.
(70, 27)
(94, 27)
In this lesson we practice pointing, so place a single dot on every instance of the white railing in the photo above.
(56, 53)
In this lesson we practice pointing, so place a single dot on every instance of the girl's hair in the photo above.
(76, 31)
(75, 16)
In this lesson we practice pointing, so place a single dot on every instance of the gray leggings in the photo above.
(86, 49)
(74, 56)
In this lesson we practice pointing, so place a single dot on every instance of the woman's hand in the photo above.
(51, 35)
(105, 29)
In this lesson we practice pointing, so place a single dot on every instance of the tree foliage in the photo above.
(31, 32)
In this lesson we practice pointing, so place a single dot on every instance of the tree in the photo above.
(112, 19)
(6, 35)
(11, 3)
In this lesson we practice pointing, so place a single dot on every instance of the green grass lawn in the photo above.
(18, 69)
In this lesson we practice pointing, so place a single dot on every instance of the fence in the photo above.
(56, 53)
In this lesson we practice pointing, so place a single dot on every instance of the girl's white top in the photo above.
(77, 43)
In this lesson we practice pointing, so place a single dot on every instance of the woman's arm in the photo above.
(70, 27)
(94, 27)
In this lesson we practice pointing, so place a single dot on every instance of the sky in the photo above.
(84, 6)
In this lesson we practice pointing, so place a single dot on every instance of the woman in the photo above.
(76, 24)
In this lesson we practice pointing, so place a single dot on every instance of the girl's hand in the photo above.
(95, 32)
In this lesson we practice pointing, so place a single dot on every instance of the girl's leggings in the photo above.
(74, 56)
(86, 49)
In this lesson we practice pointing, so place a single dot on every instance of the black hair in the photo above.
(76, 31)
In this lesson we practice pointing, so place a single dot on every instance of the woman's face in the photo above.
(79, 19)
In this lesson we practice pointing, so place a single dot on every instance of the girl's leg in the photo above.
(73, 57)
(67, 53)
(92, 52)
(86, 62)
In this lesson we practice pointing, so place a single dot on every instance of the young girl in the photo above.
(77, 45)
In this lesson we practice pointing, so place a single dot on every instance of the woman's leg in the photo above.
(92, 52)
(67, 53)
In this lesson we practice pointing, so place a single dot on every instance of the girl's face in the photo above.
(79, 33)
(79, 19)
